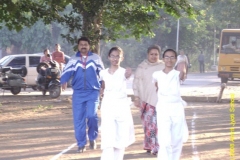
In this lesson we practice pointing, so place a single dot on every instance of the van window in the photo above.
(230, 42)
(34, 61)
(4, 60)
(17, 62)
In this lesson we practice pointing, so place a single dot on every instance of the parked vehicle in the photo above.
(49, 78)
(30, 61)
(229, 55)
(12, 79)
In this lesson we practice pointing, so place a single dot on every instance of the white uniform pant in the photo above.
(112, 154)
(117, 129)
(170, 136)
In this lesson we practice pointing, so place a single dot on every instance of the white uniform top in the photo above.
(115, 84)
(168, 86)
(117, 128)
(168, 93)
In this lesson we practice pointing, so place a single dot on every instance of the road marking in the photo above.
(64, 151)
(194, 148)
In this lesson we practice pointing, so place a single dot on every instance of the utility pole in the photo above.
(177, 36)
(214, 48)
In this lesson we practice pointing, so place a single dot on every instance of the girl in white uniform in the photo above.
(172, 127)
(117, 129)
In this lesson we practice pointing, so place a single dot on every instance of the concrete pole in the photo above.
(177, 36)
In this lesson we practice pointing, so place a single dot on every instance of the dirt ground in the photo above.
(39, 128)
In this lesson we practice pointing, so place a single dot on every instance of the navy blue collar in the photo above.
(78, 54)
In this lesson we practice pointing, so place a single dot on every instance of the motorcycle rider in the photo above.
(52, 71)
(46, 57)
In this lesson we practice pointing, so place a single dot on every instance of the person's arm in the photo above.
(128, 73)
(154, 80)
(68, 71)
(181, 75)
(102, 84)
(50, 58)
(186, 60)
(136, 85)
(62, 57)
(102, 89)
(156, 85)
(176, 62)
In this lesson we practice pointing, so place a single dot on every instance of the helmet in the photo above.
(54, 63)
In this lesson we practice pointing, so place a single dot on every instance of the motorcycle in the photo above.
(12, 79)
(49, 78)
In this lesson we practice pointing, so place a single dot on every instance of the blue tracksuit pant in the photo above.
(84, 106)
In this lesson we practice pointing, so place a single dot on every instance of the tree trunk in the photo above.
(92, 29)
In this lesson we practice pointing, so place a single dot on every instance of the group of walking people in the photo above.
(156, 89)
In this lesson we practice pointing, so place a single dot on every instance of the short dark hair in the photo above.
(45, 50)
(157, 47)
(84, 39)
(170, 50)
(115, 49)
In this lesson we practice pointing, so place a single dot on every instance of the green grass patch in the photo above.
(41, 108)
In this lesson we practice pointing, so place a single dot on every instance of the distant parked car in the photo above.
(30, 61)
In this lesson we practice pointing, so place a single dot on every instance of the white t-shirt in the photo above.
(115, 84)
(168, 86)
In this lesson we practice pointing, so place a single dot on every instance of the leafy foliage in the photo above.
(111, 20)
(101, 19)
(195, 36)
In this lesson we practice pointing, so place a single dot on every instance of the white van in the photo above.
(30, 61)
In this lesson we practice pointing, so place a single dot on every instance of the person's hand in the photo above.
(137, 102)
(64, 86)
(128, 72)
(101, 92)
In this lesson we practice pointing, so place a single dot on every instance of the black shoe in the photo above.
(93, 145)
(81, 149)
(154, 153)
(148, 151)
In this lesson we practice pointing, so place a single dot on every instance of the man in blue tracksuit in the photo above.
(84, 68)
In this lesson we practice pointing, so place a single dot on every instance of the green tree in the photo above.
(195, 35)
(97, 19)
(28, 40)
